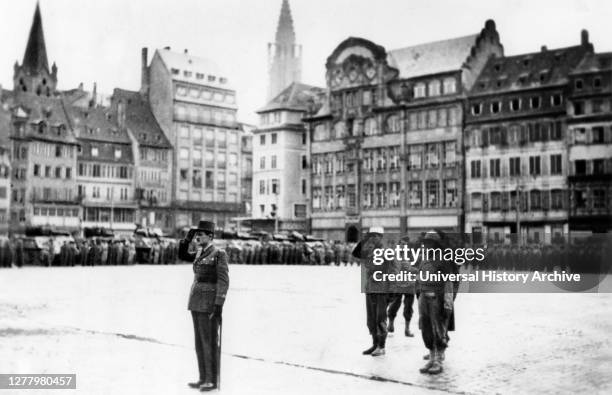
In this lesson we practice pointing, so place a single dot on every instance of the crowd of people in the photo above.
(584, 257)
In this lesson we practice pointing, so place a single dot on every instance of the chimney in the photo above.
(584, 37)
(144, 73)
(167, 48)
(94, 93)
(186, 51)
(80, 86)
(544, 48)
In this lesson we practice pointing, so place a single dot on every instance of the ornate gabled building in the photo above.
(589, 109)
(284, 55)
(44, 147)
(152, 159)
(386, 145)
(280, 163)
(516, 146)
(105, 169)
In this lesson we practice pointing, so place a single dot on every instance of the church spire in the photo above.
(35, 57)
(284, 55)
(284, 31)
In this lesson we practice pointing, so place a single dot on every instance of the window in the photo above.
(534, 102)
(434, 88)
(555, 165)
(262, 187)
(94, 151)
(598, 166)
(475, 169)
(303, 187)
(535, 199)
(273, 162)
(184, 153)
(495, 107)
(598, 135)
(556, 100)
(495, 201)
(58, 172)
(304, 162)
(273, 138)
(368, 195)
(36, 170)
(494, 168)
(370, 127)
(183, 174)
(580, 167)
(299, 210)
(556, 199)
(597, 106)
(175, 71)
(534, 166)
(578, 108)
(515, 167)
(415, 156)
(351, 195)
(578, 84)
(597, 82)
(432, 119)
(220, 180)
(450, 86)
(476, 109)
(450, 193)
(316, 197)
(394, 195)
(476, 201)
(394, 158)
(328, 198)
(599, 198)
(432, 158)
(118, 154)
(381, 195)
(58, 151)
(432, 190)
(419, 90)
(262, 139)
(515, 104)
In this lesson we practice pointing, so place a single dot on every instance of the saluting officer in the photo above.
(210, 284)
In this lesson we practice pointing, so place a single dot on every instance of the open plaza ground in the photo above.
(290, 330)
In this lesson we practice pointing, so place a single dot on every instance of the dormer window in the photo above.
(175, 71)
(476, 109)
(515, 104)
(556, 99)
(535, 102)
(526, 62)
(597, 82)
(199, 76)
(578, 84)
(497, 67)
(94, 151)
(495, 107)
(118, 154)
(212, 78)
(419, 90)
(187, 74)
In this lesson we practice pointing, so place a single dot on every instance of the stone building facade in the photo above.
(195, 105)
(590, 145)
(386, 145)
(516, 146)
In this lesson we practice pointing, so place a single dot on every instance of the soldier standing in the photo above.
(376, 293)
(401, 290)
(435, 305)
(211, 281)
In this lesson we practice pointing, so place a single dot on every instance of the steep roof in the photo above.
(35, 57)
(296, 96)
(594, 62)
(284, 31)
(50, 110)
(194, 64)
(432, 58)
(527, 71)
(140, 119)
(97, 124)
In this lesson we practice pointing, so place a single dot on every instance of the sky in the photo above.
(101, 40)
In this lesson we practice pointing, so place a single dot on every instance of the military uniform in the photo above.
(209, 288)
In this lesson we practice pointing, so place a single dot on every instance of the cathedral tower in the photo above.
(34, 75)
(284, 55)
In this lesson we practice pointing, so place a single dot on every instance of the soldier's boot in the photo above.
(407, 332)
(370, 350)
(430, 360)
(391, 327)
(207, 387)
(196, 384)
(380, 350)
(436, 367)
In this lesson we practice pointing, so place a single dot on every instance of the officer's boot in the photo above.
(436, 367)
(380, 350)
(370, 350)
(429, 364)
(391, 327)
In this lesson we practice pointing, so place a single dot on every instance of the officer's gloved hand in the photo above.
(190, 235)
(217, 312)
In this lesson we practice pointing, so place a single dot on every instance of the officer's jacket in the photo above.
(211, 276)
(364, 250)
